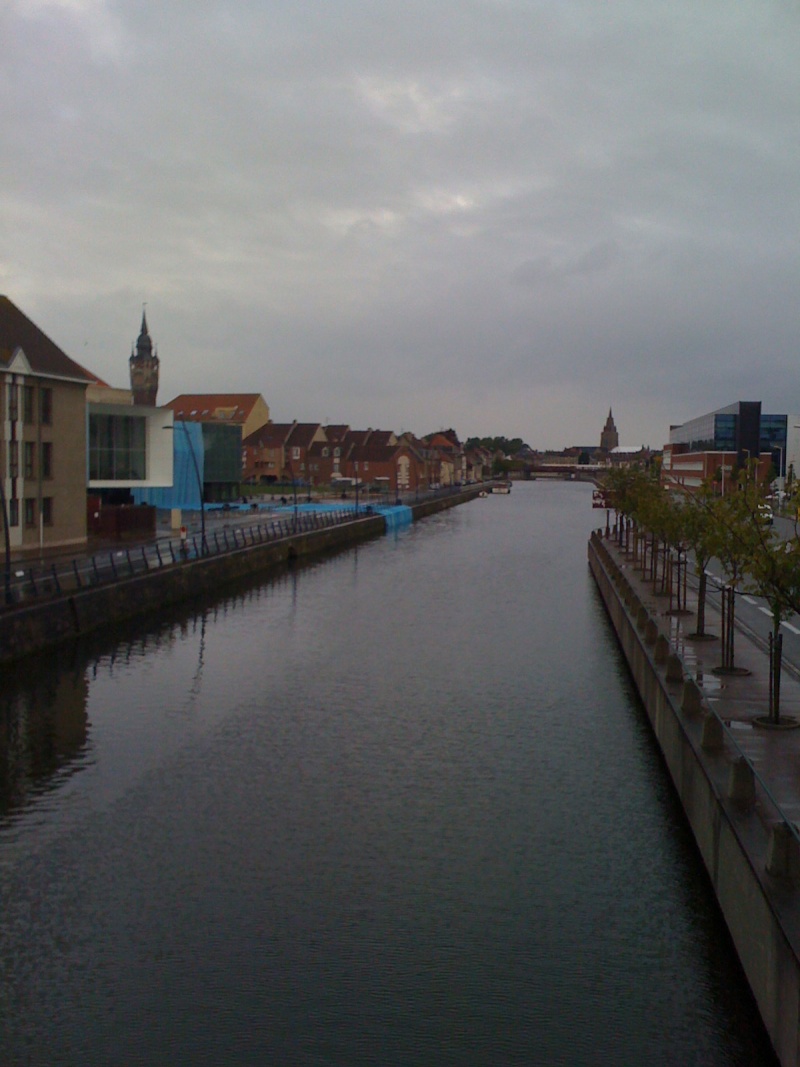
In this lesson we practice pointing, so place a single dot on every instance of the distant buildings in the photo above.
(609, 438)
(713, 446)
(76, 452)
(143, 366)
(43, 446)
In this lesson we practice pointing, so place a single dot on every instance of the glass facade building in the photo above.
(740, 427)
(117, 448)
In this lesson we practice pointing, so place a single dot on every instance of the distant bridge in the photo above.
(584, 472)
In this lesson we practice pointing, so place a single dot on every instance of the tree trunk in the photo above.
(701, 602)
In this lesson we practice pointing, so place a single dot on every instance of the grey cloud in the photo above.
(454, 213)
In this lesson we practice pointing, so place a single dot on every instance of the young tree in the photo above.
(740, 534)
(774, 574)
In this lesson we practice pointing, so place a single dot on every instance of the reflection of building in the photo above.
(144, 369)
(43, 730)
(43, 437)
(714, 445)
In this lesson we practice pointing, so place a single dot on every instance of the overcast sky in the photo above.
(503, 216)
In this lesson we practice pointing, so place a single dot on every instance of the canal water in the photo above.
(398, 807)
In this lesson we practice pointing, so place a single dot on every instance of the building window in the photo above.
(13, 512)
(30, 457)
(47, 510)
(117, 448)
(295, 453)
(27, 403)
(46, 406)
(47, 459)
(30, 511)
(13, 459)
(366, 465)
(13, 403)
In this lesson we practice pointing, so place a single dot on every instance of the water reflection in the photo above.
(403, 810)
(44, 731)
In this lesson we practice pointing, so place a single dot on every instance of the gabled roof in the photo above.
(213, 407)
(356, 437)
(378, 453)
(303, 434)
(445, 439)
(336, 432)
(382, 437)
(43, 355)
(270, 435)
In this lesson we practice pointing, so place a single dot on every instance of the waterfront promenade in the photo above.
(739, 782)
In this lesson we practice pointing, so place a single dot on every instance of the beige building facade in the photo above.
(43, 439)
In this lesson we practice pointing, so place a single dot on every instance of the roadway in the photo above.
(752, 613)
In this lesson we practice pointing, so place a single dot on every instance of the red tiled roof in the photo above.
(43, 355)
(270, 435)
(378, 453)
(336, 432)
(212, 407)
(302, 434)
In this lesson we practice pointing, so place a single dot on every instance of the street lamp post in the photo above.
(356, 469)
(203, 545)
(7, 537)
(294, 494)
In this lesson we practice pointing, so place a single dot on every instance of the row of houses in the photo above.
(73, 448)
(312, 454)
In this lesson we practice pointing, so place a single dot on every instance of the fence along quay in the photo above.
(63, 601)
(736, 783)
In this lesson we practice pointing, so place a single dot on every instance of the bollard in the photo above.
(650, 632)
(661, 650)
(674, 668)
(783, 854)
(692, 702)
(742, 783)
(713, 738)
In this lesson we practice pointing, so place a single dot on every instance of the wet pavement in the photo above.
(738, 699)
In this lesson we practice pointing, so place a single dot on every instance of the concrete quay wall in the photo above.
(751, 858)
(32, 628)
(436, 504)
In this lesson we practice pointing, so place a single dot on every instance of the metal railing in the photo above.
(34, 582)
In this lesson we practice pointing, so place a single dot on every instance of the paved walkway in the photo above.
(773, 753)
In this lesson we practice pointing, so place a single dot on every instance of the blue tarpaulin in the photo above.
(185, 491)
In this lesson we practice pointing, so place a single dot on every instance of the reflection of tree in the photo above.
(43, 731)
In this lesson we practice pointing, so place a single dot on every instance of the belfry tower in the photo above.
(144, 368)
(609, 438)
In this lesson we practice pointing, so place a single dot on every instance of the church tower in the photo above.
(144, 368)
(609, 438)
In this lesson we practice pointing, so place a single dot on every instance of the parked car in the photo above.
(765, 514)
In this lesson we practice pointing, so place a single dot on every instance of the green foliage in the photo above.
(508, 446)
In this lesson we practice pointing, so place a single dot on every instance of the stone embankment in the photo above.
(737, 783)
(30, 628)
